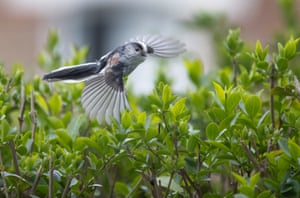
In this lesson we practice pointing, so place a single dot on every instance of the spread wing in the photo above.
(104, 96)
(161, 46)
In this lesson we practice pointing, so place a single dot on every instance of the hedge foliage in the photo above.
(234, 133)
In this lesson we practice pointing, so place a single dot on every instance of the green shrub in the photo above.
(234, 134)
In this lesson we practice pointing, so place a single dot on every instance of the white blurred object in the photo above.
(104, 24)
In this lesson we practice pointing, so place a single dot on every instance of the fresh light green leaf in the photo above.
(212, 131)
(232, 101)
(265, 194)
(282, 64)
(40, 100)
(193, 141)
(74, 125)
(219, 91)
(81, 142)
(294, 149)
(55, 122)
(64, 138)
(247, 190)
(253, 105)
(126, 119)
(194, 69)
(179, 108)
(5, 127)
(290, 48)
(239, 178)
(121, 188)
(55, 103)
(167, 96)
(254, 179)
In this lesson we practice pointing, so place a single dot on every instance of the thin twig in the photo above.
(134, 188)
(36, 180)
(51, 177)
(250, 156)
(169, 185)
(33, 120)
(112, 181)
(235, 71)
(184, 174)
(3, 177)
(66, 189)
(272, 85)
(186, 185)
(199, 159)
(22, 108)
(254, 146)
(156, 190)
(14, 156)
(7, 87)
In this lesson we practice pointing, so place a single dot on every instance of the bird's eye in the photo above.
(137, 49)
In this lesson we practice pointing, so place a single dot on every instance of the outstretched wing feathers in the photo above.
(161, 46)
(102, 100)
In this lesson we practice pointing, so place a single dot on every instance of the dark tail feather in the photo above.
(73, 73)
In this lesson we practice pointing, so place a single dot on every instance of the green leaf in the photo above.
(179, 108)
(193, 142)
(55, 122)
(232, 101)
(164, 181)
(283, 144)
(239, 178)
(5, 127)
(216, 114)
(233, 42)
(260, 52)
(121, 188)
(219, 145)
(282, 64)
(247, 190)
(294, 149)
(254, 179)
(265, 194)
(81, 142)
(290, 48)
(219, 91)
(167, 97)
(253, 105)
(126, 119)
(64, 138)
(40, 100)
(212, 131)
(74, 125)
(194, 69)
(17, 180)
(55, 103)
(52, 40)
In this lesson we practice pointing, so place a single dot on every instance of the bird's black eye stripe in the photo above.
(138, 47)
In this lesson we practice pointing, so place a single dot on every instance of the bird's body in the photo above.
(104, 95)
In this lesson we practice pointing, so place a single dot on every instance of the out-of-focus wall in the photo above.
(105, 24)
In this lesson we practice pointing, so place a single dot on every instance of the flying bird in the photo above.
(104, 95)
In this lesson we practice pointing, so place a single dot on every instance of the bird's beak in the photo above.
(150, 50)
(144, 53)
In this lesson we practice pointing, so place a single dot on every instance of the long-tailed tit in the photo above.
(104, 95)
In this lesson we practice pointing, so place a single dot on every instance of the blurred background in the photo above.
(103, 25)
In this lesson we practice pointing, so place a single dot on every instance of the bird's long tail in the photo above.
(75, 73)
